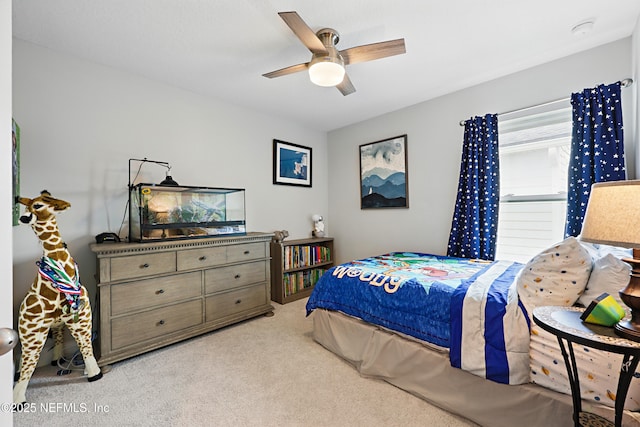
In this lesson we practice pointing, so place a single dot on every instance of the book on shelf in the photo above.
(300, 280)
(300, 256)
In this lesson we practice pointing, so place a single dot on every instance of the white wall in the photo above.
(6, 361)
(435, 147)
(81, 122)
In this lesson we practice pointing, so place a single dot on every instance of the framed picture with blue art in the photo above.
(291, 164)
(383, 174)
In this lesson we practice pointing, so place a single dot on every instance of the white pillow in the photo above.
(556, 276)
(598, 251)
(609, 274)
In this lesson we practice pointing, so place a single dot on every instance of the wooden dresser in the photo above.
(154, 294)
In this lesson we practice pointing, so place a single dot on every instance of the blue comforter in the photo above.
(458, 303)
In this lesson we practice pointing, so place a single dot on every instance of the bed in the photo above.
(458, 332)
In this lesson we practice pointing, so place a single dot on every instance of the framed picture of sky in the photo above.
(383, 174)
(291, 164)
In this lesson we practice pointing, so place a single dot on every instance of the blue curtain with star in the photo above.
(475, 220)
(597, 148)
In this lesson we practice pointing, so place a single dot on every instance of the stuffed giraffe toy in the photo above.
(56, 297)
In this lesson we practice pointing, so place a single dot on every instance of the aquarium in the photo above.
(160, 212)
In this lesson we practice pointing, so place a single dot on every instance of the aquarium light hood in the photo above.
(167, 181)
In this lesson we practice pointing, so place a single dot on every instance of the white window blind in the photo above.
(534, 159)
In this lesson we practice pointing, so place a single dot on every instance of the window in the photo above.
(534, 159)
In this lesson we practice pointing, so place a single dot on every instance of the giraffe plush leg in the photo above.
(16, 375)
(58, 339)
(32, 339)
(81, 332)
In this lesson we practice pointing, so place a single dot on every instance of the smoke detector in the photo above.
(582, 28)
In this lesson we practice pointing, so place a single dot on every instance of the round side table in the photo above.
(566, 325)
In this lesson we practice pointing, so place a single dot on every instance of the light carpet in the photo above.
(267, 371)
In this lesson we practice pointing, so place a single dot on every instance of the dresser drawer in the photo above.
(228, 303)
(147, 293)
(233, 276)
(134, 266)
(201, 258)
(136, 328)
(246, 252)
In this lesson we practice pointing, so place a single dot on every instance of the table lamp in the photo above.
(613, 218)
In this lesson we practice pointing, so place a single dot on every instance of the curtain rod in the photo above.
(624, 83)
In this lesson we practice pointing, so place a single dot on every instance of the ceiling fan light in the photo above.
(326, 73)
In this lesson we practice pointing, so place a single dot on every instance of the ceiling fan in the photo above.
(326, 67)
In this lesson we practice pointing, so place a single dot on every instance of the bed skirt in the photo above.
(425, 371)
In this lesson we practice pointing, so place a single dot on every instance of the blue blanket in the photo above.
(404, 291)
(442, 300)
(490, 327)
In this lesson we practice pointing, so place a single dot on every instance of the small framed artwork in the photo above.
(383, 174)
(291, 164)
(15, 139)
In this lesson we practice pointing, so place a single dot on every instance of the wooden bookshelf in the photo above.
(296, 266)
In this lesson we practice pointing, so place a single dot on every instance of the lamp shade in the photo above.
(169, 181)
(613, 214)
(326, 71)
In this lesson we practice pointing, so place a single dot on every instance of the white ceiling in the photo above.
(221, 48)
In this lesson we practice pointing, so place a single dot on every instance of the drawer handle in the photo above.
(237, 276)
(145, 265)
(202, 258)
(238, 301)
(161, 322)
(247, 252)
(160, 291)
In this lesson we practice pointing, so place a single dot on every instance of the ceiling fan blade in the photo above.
(369, 52)
(303, 32)
(287, 70)
(346, 87)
